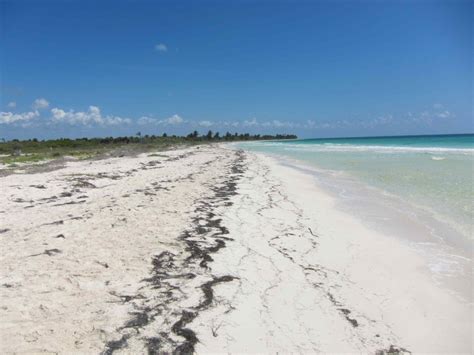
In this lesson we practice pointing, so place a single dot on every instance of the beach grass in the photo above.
(20, 152)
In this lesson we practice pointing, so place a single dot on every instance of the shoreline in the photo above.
(207, 249)
(445, 248)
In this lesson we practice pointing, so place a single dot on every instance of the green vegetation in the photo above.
(34, 150)
(29, 158)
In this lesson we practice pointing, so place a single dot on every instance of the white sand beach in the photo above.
(208, 249)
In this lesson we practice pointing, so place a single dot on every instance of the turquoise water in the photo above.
(434, 173)
(457, 141)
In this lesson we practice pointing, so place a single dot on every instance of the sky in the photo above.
(312, 68)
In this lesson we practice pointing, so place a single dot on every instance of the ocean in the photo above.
(396, 184)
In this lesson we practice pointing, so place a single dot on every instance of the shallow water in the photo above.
(433, 173)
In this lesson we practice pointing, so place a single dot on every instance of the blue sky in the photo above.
(314, 68)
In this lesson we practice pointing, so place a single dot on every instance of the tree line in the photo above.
(138, 140)
(237, 137)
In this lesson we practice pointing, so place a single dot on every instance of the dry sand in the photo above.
(207, 249)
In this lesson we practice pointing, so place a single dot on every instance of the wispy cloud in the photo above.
(428, 117)
(437, 113)
(233, 124)
(161, 47)
(382, 120)
(444, 114)
(11, 104)
(250, 123)
(40, 104)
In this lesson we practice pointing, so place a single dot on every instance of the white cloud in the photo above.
(39, 104)
(11, 104)
(174, 120)
(161, 47)
(270, 124)
(90, 117)
(145, 120)
(438, 106)
(13, 118)
(205, 123)
(444, 114)
(58, 114)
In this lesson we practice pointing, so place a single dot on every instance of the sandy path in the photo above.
(209, 250)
